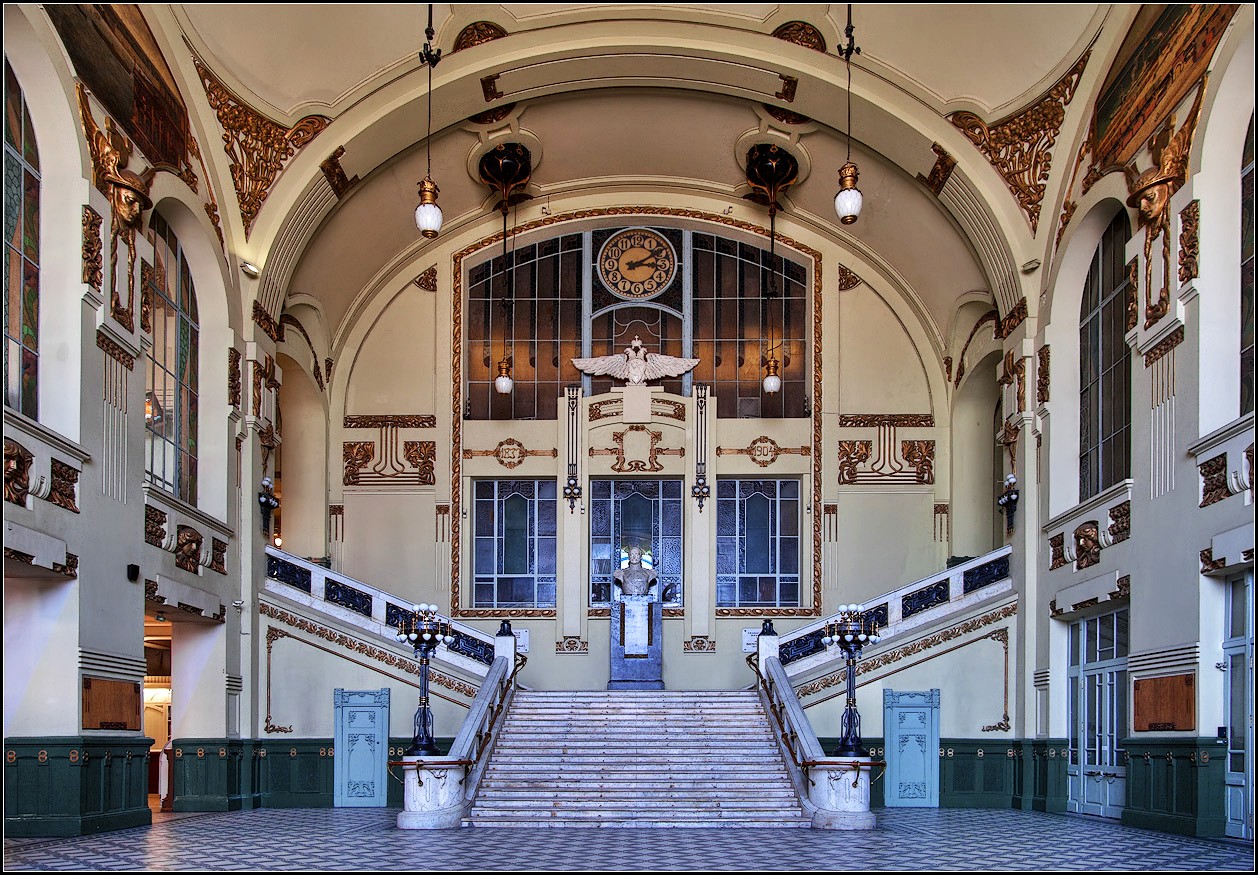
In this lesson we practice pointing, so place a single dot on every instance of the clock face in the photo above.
(637, 263)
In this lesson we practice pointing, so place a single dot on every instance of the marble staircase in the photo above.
(636, 759)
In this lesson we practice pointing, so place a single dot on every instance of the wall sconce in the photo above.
(1009, 501)
(267, 502)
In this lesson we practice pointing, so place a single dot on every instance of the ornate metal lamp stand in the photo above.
(424, 630)
(851, 630)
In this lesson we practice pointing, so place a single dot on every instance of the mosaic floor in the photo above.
(367, 839)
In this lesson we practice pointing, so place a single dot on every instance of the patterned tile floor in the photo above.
(367, 839)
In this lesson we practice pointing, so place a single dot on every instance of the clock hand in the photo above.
(649, 261)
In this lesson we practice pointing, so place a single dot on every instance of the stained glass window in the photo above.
(21, 252)
(757, 543)
(1105, 366)
(636, 513)
(514, 551)
(1247, 273)
(170, 400)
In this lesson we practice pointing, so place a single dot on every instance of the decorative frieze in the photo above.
(764, 451)
(1172, 340)
(233, 377)
(218, 556)
(899, 420)
(356, 456)
(1087, 542)
(921, 457)
(422, 456)
(572, 644)
(1213, 480)
(64, 490)
(852, 454)
(391, 420)
(1057, 551)
(1120, 522)
(187, 548)
(944, 164)
(653, 454)
(17, 472)
(93, 249)
(107, 344)
(1189, 245)
(1020, 146)
(154, 526)
(1042, 375)
(335, 174)
(892, 460)
(699, 644)
(257, 147)
(427, 280)
(510, 453)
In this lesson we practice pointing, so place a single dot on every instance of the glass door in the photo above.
(1097, 683)
(646, 514)
(1238, 654)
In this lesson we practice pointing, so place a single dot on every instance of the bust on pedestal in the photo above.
(637, 628)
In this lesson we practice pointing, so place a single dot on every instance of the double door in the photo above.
(1097, 771)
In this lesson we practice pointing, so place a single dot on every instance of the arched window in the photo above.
(1105, 366)
(170, 403)
(1247, 273)
(21, 252)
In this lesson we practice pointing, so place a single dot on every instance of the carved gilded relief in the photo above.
(64, 490)
(654, 451)
(422, 456)
(1041, 376)
(510, 453)
(572, 644)
(477, 33)
(233, 377)
(93, 249)
(847, 279)
(257, 147)
(921, 457)
(940, 173)
(400, 462)
(267, 323)
(356, 455)
(890, 460)
(1189, 245)
(218, 556)
(1213, 480)
(764, 451)
(699, 644)
(107, 345)
(288, 319)
(428, 279)
(154, 526)
(1015, 370)
(1120, 522)
(147, 281)
(335, 174)
(852, 454)
(17, 472)
(1012, 319)
(1020, 146)
(1087, 545)
(1172, 340)
(801, 33)
(187, 548)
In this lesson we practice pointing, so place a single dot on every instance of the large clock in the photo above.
(637, 263)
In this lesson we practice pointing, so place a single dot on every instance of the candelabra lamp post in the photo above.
(850, 631)
(424, 630)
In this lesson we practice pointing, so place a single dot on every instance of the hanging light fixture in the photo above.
(771, 170)
(428, 214)
(507, 169)
(847, 203)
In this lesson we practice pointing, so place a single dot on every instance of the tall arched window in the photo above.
(21, 252)
(1247, 273)
(1105, 366)
(170, 403)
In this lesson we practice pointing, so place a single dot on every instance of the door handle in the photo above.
(1092, 774)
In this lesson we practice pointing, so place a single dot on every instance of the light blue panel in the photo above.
(911, 733)
(361, 744)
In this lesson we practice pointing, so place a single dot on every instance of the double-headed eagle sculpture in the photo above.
(636, 366)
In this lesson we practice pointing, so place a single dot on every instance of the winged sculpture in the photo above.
(636, 366)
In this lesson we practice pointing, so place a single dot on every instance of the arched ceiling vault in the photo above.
(633, 101)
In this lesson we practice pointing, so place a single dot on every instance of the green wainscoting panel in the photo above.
(75, 785)
(1039, 778)
(1175, 785)
(298, 772)
(213, 774)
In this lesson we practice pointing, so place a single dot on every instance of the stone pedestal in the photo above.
(432, 798)
(841, 794)
(637, 644)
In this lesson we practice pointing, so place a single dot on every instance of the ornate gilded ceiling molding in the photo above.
(1189, 246)
(394, 420)
(427, 280)
(335, 174)
(476, 33)
(1213, 474)
(1020, 146)
(1042, 375)
(699, 644)
(764, 451)
(510, 453)
(93, 249)
(801, 33)
(233, 377)
(650, 463)
(114, 351)
(17, 472)
(1012, 320)
(1174, 339)
(944, 165)
(267, 323)
(989, 316)
(847, 278)
(289, 319)
(257, 147)
(572, 644)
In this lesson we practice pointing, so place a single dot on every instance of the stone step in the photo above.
(554, 798)
(727, 744)
(539, 783)
(676, 818)
(626, 807)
